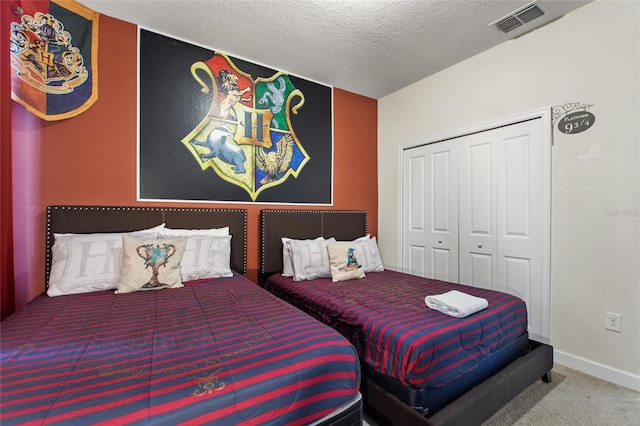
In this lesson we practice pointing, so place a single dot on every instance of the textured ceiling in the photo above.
(369, 47)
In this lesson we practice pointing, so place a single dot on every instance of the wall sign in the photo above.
(218, 128)
(573, 117)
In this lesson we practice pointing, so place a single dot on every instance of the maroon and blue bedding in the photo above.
(219, 351)
(424, 357)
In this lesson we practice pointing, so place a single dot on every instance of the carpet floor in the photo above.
(572, 398)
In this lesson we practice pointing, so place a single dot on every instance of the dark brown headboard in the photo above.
(89, 219)
(300, 224)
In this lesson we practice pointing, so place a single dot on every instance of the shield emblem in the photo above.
(54, 59)
(247, 137)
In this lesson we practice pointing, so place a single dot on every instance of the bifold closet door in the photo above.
(500, 212)
(475, 210)
(477, 221)
(430, 211)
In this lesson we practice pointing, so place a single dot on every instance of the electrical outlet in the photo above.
(613, 322)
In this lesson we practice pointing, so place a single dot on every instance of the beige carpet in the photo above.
(573, 398)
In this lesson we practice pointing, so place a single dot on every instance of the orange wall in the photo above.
(91, 158)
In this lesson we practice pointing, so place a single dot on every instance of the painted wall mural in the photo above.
(218, 128)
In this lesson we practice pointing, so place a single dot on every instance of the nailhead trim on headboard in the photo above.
(49, 232)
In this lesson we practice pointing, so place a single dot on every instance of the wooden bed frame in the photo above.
(91, 219)
(475, 406)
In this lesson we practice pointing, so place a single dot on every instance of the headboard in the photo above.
(300, 224)
(89, 219)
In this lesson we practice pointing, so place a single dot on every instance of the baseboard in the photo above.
(598, 370)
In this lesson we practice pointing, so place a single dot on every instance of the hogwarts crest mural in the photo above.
(218, 128)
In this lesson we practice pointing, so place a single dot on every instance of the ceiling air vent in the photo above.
(529, 13)
(508, 24)
(518, 18)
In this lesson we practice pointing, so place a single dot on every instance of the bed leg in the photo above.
(547, 377)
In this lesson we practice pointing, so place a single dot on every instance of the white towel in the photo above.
(456, 303)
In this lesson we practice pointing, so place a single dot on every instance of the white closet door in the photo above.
(502, 214)
(430, 212)
(475, 210)
(521, 219)
(414, 235)
(477, 217)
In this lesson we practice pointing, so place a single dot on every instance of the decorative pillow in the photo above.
(206, 257)
(213, 232)
(287, 261)
(369, 255)
(310, 259)
(150, 264)
(344, 262)
(82, 263)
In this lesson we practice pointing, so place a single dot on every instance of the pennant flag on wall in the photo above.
(54, 58)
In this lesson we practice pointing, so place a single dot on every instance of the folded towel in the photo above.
(456, 303)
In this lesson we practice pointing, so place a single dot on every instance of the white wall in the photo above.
(589, 56)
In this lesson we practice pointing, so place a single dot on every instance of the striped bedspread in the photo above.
(385, 316)
(218, 351)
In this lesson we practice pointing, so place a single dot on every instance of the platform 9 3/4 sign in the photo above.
(576, 122)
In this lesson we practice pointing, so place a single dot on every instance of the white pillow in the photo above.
(369, 255)
(82, 263)
(150, 263)
(344, 262)
(287, 261)
(363, 238)
(206, 257)
(213, 232)
(157, 228)
(310, 259)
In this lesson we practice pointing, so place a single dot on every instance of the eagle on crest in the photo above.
(275, 162)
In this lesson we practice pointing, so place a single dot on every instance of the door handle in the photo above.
(479, 245)
(440, 240)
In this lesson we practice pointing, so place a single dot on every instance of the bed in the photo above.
(215, 350)
(420, 366)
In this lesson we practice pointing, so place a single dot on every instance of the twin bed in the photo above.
(222, 350)
(419, 365)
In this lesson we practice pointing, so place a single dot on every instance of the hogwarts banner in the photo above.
(54, 57)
